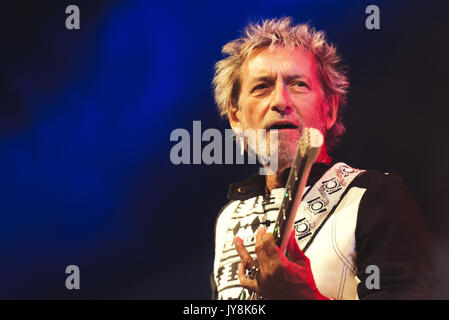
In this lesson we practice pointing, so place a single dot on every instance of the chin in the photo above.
(286, 155)
(287, 144)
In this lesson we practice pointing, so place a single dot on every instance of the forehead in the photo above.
(273, 60)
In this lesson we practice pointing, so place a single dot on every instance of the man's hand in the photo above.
(278, 278)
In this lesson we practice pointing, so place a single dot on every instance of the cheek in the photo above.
(252, 116)
(313, 113)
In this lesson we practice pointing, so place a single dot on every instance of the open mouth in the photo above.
(283, 126)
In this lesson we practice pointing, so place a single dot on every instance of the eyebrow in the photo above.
(288, 78)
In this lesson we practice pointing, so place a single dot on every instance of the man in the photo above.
(359, 234)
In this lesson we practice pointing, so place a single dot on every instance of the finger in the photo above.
(244, 255)
(293, 250)
(265, 247)
(245, 282)
(260, 234)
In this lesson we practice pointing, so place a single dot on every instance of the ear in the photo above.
(332, 112)
(235, 118)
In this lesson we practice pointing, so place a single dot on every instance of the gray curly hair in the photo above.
(226, 82)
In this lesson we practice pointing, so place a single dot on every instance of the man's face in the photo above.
(280, 89)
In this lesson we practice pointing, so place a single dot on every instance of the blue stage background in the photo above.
(86, 117)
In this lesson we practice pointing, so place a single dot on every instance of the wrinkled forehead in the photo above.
(279, 60)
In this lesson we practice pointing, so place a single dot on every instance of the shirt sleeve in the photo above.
(392, 235)
(212, 282)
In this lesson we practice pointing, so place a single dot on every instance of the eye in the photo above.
(302, 84)
(260, 87)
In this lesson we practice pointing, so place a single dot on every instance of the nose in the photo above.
(280, 98)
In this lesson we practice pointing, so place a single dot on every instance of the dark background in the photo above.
(86, 117)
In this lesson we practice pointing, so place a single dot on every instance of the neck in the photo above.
(274, 181)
